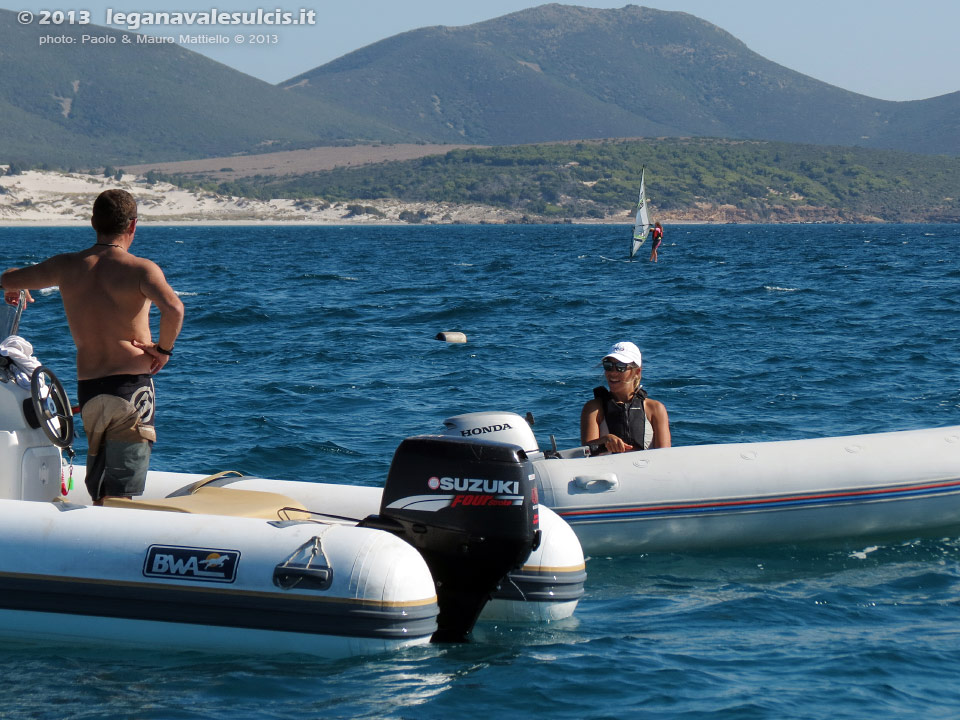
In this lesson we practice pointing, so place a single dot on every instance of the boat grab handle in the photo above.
(596, 483)
(307, 577)
(306, 569)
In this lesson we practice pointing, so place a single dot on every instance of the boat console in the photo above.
(33, 407)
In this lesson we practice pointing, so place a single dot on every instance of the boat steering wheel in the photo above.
(52, 407)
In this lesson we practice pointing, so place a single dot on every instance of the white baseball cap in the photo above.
(625, 352)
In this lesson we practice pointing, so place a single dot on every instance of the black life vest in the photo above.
(627, 421)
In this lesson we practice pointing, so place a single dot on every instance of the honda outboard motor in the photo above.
(499, 426)
(470, 508)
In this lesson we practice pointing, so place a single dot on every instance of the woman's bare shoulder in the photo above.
(654, 407)
(591, 407)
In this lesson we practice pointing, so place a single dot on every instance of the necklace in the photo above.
(109, 245)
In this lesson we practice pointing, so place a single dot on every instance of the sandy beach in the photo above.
(36, 197)
(53, 198)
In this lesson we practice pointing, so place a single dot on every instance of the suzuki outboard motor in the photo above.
(470, 508)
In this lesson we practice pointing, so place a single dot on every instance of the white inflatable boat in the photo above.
(235, 564)
(742, 494)
(547, 587)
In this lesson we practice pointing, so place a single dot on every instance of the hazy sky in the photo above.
(887, 49)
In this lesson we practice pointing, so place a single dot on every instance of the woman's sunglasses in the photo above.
(618, 366)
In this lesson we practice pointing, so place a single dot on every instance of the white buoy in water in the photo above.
(452, 337)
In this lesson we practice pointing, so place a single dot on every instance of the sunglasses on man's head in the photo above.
(618, 366)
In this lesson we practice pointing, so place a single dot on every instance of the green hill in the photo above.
(686, 178)
(76, 103)
(560, 72)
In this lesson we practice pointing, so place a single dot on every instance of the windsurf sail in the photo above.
(641, 227)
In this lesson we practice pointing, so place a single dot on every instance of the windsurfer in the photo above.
(656, 237)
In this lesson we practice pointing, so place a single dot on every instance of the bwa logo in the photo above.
(185, 563)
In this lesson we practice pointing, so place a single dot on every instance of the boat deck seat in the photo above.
(222, 501)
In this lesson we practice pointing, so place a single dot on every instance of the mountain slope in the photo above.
(128, 102)
(559, 72)
(549, 73)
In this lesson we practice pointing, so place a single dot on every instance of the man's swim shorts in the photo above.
(117, 412)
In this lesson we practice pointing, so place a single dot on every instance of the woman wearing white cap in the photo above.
(623, 418)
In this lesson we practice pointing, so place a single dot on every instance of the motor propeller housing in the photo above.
(470, 508)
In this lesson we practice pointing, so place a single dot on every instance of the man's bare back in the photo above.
(107, 309)
(106, 294)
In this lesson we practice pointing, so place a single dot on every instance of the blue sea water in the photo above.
(309, 353)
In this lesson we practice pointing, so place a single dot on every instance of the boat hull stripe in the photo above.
(177, 604)
(538, 585)
(760, 504)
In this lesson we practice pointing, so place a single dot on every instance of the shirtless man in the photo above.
(106, 293)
